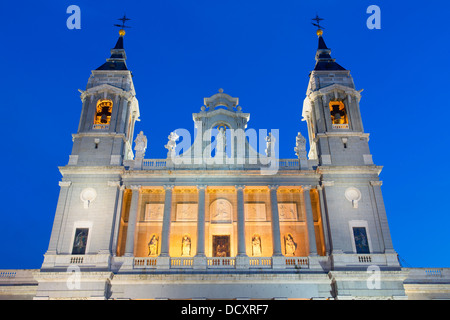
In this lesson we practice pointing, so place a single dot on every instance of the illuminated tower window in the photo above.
(338, 113)
(103, 114)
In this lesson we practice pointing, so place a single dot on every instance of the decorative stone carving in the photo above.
(255, 211)
(353, 195)
(300, 146)
(221, 141)
(88, 195)
(153, 245)
(186, 246)
(221, 210)
(290, 245)
(140, 145)
(186, 211)
(171, 144)
(154, 211)
(287, 211)
(270, 141)
(65, 183)
(256, 245)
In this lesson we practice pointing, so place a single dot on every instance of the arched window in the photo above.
(338, 114)
(103, 112)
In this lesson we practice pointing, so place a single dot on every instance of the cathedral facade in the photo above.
(218, 219)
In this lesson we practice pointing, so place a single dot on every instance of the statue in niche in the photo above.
(290, 245)
(153, 246)
(221, 140)
(186, 246)
(171, 144)
(256, 245)
(140, 145)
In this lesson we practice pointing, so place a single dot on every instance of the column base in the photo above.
(200, 262)
(278, 262)
(242, 262)
(163, 262)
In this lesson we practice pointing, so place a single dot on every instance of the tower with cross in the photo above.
(109, 111)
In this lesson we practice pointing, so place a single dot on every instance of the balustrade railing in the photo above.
(221, 262)
(260, 262)
(297, 262)
(162, 164)
(181, 262)
(145, 262)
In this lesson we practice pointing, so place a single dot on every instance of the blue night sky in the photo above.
(260, 51)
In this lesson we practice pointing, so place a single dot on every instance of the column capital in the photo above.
(376, 183)
(134, 187)
(168, 187)
(327, 183)
(240, 187)
(319, 187)
(65, 183)
(307, 187)
(113, 183)
(273, 187)
(202, 186)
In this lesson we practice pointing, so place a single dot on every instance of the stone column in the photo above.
(60, 213)
(275, 221)
(380, 211)
(324, 215)
(132, 217)
(166, 221)
(310, 221)
(241, 221)
(200, 261)
(201, 221)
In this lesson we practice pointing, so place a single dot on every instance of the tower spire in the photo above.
(323, 54)
(118, 55)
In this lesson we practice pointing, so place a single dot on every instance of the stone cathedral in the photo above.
(218, 219)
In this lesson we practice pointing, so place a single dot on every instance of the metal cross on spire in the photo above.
(123, 19)
(317, 19)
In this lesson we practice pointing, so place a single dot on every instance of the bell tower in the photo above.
(108, 115)
(358, 229)
(331, 110)
(91, 186)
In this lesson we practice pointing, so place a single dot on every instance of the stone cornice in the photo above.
(97, 170)
(129, 95)
(372, 169)
(341, 134)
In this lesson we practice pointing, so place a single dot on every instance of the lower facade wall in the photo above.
(413, 284)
